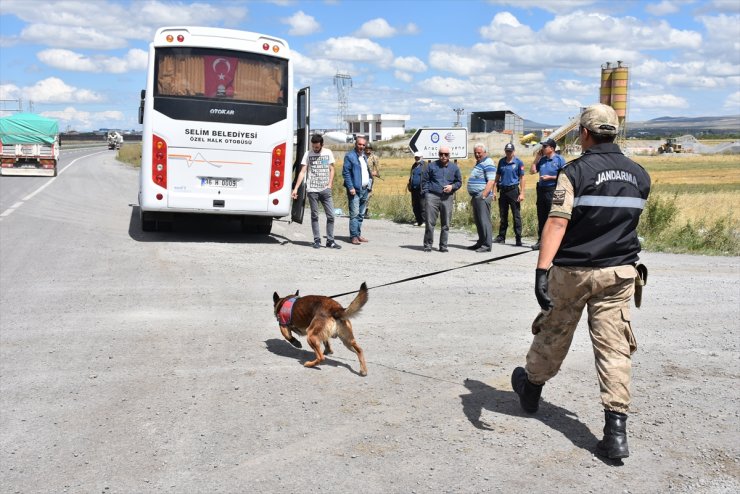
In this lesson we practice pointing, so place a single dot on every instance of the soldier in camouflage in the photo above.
(590, 239)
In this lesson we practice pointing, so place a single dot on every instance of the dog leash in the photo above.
(425, 275)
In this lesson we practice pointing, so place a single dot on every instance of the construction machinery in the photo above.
(671, 145)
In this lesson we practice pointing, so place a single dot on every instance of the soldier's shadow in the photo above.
(482, 396)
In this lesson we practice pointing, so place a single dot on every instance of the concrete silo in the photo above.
(615, 91)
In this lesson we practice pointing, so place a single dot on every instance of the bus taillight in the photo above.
(277, 171)
(159, 161)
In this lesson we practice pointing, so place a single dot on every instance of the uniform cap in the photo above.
(509, 147)
(549, 142)
(600, 119)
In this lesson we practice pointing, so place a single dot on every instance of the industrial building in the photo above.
(504, 122)
(377, 126)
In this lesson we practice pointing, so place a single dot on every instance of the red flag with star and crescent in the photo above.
(220, 73)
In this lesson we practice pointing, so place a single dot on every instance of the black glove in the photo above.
(540, 289)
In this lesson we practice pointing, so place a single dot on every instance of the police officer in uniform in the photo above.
(510, 187)
(590, 239)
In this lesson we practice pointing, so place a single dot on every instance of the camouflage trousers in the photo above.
(607, 293)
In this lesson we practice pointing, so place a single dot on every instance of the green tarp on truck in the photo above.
(28, 128)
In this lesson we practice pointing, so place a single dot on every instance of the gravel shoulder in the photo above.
(134, 362)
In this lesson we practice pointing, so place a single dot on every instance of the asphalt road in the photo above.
(151, 362)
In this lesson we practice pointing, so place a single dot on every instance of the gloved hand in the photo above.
(540, 289)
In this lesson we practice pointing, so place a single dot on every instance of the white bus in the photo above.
(218, 136)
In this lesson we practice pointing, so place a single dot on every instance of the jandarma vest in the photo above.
(609, 191)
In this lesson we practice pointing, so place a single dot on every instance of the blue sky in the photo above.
(84, 61)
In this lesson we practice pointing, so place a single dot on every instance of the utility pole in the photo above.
(342, 82)
(459, 112)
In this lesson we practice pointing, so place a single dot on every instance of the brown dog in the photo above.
(319, 318)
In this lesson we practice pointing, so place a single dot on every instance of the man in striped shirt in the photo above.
(480, 188)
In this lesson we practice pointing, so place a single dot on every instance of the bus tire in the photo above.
(148, 221)
(259, 225)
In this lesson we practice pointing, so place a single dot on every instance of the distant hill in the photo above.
(667, 126)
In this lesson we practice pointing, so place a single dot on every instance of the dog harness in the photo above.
(285, 314)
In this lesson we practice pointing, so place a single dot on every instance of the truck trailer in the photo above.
(29, 145)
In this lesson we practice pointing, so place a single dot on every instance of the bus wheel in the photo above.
(148, 221)
(256, 224)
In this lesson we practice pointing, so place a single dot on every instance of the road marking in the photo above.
(15, 206)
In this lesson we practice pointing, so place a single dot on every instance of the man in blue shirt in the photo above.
(440, 179)
(547, 163)
(357, 182)
(510, 185)
(480, 188)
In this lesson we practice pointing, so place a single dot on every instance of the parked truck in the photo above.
(115, 139)
(29, 145)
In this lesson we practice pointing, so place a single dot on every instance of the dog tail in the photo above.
(359, 301)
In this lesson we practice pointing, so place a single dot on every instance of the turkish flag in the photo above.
(219, 73)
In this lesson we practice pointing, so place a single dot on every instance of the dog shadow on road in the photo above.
(282, 348)
(482, 396)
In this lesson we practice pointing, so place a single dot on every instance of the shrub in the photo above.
(657, 216)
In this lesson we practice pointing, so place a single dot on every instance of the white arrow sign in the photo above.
(428, 142)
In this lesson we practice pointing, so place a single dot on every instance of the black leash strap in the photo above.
(486, 261)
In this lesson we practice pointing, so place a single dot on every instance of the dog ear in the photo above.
(275, 298)
(296, 292)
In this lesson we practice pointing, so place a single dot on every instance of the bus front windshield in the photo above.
(221, 75)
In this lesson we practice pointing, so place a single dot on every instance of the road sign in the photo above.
(428, 142)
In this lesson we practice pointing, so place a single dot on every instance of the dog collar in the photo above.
(285, 314)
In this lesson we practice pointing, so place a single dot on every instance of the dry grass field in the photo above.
(706, 186)
(695, 198)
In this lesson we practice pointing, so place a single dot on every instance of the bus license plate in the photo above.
(220, 182)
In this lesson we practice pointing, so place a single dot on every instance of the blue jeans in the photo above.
(357, 204)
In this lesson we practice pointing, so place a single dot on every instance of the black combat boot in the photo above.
(529, 394)
(614, 444)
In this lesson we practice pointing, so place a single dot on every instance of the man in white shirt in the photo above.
(317, 168)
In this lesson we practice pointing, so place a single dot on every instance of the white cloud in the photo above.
(667, 102)
(591, 27)
(733, 102)
(411, 28)
(108, 25)
(308, 69)
(723, 36)
(663, 8)
(355, 50)
(571, 86)
(63, 59)
(411, 64)
(447, 86)
(456, 60)
(9, 91)
(54, 90)
(507, 29)
(301, 24)
(376, 28)
(403, 76)
(70, 37)
(571, 103)
(77, 119)
(554, 7)
(725, 5)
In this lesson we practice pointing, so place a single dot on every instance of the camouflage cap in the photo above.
(600, 119)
